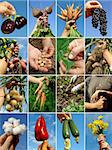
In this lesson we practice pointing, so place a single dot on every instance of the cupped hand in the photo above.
(48, 47)
(7, 9)
(34, 54)
(90, 6)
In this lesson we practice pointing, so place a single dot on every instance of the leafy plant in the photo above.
(42, 32)
(74, 107)
(62, 50)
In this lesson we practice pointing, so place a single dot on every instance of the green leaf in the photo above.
(68, 63)
(74, 33)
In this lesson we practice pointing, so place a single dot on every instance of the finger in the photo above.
(9, 6)
(33, 64)
(72, 44)
(75, 51)
(8, 142)
(49, 51)
(63, 68)
(3, 138)
(60, 71)
(15, 142)
(76, 71)
(80, 64)
(9, 12)
(95, 4)
(43, 69)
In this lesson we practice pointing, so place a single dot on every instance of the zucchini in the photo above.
(74, 130)
(66, 129)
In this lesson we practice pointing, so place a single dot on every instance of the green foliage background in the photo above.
(50, 97)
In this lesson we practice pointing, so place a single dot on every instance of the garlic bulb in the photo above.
(13, 126)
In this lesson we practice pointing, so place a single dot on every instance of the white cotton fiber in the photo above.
(16, 122)
(8, 130)
(13, 126)
(7, 124)
(11, 120)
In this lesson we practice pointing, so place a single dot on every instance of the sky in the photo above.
(22, 145)
(79, 121)
(21, 9)
(92, 140)
(80, 22)
(92, 32)
(41, 4)
(50, 123)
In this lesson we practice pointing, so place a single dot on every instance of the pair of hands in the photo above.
(8, 142)
(35, 53)
(7, 9)
(77, 51)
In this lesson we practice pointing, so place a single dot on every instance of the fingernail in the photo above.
(71, 56)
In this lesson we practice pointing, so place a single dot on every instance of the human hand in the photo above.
(48, 47)
(45, 146)
(7, 9)
(8, 142)
(99, 104)
(34, 54)
(90, 6)
(64, 116)
(77, 48)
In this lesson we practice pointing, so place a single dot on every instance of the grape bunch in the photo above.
(99, 18)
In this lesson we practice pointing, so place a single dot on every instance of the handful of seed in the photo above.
(44, 62)
(99, 18)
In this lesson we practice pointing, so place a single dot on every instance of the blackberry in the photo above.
(8, 26)
(99, 18)
(20, 22)
(95, 18)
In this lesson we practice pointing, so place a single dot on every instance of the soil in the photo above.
(38, 44)
(64, 95)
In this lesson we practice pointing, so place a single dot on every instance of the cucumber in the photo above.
(66, 130)
(74, 130)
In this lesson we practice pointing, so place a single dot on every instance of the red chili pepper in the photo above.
(41, 133)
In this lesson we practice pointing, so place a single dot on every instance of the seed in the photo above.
(13, 102)
(42, 65)
(40, 62)
(7, 97)
(8, 107)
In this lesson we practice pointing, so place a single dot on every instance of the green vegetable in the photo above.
(74, 130)
(66, 134)
(66, 129)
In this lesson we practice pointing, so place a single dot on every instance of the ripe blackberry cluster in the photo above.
(99, 18)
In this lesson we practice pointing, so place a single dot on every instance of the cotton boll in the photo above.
(8, 130)
(11, 120)
(23, 128)
(16, 123)
(16, 130)
(6, 125)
